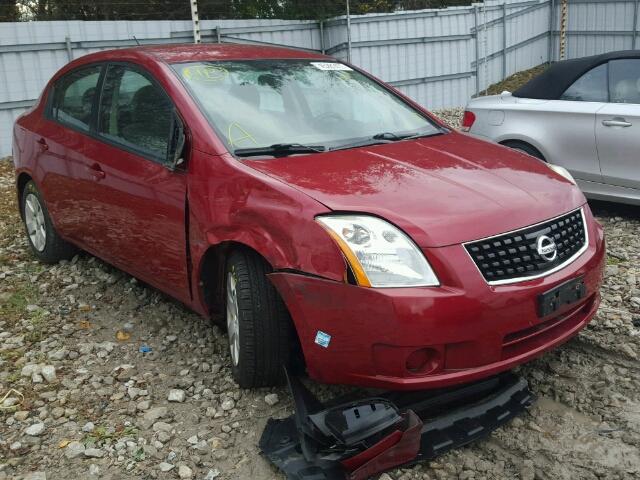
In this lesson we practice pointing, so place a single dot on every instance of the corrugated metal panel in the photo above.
(428, 54)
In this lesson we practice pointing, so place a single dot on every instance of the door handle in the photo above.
(616, 122)
(43, 144)
(96, 171)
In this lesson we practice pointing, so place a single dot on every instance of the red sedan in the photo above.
(335, 223)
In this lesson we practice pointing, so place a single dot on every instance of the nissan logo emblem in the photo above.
(547, 248)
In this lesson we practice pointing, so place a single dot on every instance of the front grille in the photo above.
(514, 255)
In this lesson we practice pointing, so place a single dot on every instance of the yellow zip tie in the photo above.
(6, 395)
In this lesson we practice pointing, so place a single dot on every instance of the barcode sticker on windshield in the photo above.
(331, 66)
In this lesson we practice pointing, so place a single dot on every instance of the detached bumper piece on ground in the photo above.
(360, 438)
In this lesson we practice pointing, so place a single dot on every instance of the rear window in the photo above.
(74, 95)
(590, 87)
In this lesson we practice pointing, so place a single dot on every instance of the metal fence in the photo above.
(438, 57)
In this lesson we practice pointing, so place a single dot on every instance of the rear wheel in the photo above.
(258, 324)
(44, 241)
(524, 148)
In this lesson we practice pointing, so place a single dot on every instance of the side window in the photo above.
(73, 97)
(135, 112)
(590, 87)
(624, 80)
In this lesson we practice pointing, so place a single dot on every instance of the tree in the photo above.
(208, 9)
(9, 11)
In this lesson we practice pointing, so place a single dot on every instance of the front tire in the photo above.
(43, 240)
(258, 324)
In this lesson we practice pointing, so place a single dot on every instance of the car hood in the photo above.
(441, 190)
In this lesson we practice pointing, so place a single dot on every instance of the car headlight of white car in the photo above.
(380, 255)
(562, 171)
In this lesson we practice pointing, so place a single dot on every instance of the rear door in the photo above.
(61, 142)
(618, 126)
(137, 202)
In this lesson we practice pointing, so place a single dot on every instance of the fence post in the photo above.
(552, 24)
(475, 17)
(348, 33)
(218, 34)
(67, 42)
(321, 27)
(564, 15)
(195, 20)
(635, 25)
(504, 41)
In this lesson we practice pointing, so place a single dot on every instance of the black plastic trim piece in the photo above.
(451, 418)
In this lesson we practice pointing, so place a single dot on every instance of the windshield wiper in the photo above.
(279, 150)
(385, 137)
(395, 137)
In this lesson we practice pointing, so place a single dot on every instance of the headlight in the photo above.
(562, 171)
(379, 254)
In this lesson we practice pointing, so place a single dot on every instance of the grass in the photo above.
(102, 434)
(614, 260)
(515, 81)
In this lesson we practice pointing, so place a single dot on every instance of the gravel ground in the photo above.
(81, 401)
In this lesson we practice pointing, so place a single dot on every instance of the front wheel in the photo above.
(258, 324)
(44, 241)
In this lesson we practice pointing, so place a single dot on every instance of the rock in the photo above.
(176, 395)
(35, 476)
(35, 430)
(15, 446)
(57, 412)
(88, 427)
(192, 440)
(143, 405)
(74, 450)
(227, 404)
(49, 373)
(94, 453)
(152, 415)
(94, 470)
(30, 370)
(21, 415)
(162, 427)
(627, 349)
(527, 472)
(184, 472)
(271, 399)
(165, 467)
(211, 474)
(385, 476)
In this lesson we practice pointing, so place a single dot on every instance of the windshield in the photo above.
(261, 103)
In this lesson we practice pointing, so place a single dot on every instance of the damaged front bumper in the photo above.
(356, 439)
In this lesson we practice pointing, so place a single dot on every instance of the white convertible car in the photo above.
(582, 114)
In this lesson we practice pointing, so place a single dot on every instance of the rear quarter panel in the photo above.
(562, 131)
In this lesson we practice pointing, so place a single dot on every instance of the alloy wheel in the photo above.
(34, 219)
(233, 321)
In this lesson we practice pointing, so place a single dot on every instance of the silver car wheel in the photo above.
(233, 321)
(34, 219)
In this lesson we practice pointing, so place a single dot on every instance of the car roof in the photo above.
(553, 82)
(175, 53)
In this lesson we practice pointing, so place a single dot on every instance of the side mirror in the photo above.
(176, 146)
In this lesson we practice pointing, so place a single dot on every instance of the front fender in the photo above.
(231, 203)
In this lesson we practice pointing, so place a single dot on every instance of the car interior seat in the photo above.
(150, 120)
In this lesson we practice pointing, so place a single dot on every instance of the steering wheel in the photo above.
(330, 116)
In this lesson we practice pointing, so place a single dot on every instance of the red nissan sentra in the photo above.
(330, 219)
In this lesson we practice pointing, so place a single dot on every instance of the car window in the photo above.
(74, 95)
(590, 87)
(624, 80)
(135, 112)
(258, 103)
